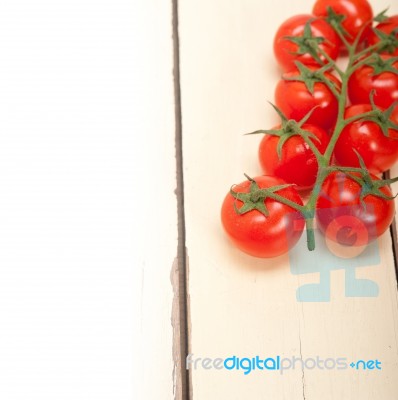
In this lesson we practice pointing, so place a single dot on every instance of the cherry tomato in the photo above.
(357, 14)
(343, 218)
(378, 151)
(288, 51)
(257, 234)
(384, 84)
(297, 163)
(387, 26)
(295, 100)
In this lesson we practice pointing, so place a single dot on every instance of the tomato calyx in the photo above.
(255, 198)
(335, 21)
(307, 76)
(310, 77)
(381, 117)
(371, 187)
(307, 43)
(380, 65)
(362, 177)
(387, 42)
(381, 16)
(289, 128)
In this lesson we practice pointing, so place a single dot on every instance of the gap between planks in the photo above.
(394, 237)
(179, 274)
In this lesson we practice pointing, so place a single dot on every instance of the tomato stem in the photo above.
(324, 161)
(281, 199)
(309, 226)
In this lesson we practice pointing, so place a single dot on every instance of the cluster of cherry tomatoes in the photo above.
(338, 134)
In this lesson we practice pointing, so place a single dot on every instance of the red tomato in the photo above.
(387, 26)
(298, 163)
(357, 13)
(366, 137)
(295, 100)
(256, 234)
(342, 218)
(287, 51)
(364, 80)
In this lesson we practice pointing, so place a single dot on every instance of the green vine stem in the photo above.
(355, 61)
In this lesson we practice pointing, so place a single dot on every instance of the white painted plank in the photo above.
(243, 306)
(88, 227)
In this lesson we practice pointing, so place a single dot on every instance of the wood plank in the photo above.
(243, 306)
(87, 205)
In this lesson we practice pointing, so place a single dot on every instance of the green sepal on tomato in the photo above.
(379, 75)
(294, 161)
(378, 149)
(354, 209)
(258, 224)
(303, 90)
(386, 30)
(297, 40)
(349, 16)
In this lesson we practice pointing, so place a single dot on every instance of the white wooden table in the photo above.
(121, 134)
(243, 306)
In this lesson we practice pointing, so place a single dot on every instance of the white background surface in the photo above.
(86, 134)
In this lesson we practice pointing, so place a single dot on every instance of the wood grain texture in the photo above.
(88, 210)
(155, 203)
(244, 306)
